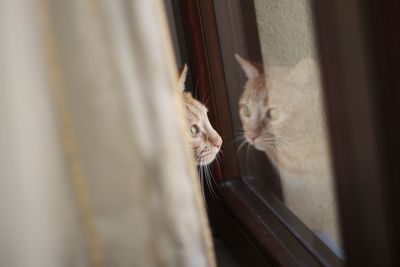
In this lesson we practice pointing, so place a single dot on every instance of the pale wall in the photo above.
(285, 30)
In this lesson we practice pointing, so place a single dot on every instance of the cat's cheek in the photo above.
(242, 120)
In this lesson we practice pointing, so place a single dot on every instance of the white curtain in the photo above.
(94, 167)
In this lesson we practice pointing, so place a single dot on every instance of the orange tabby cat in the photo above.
(204, 140)
(282, 114)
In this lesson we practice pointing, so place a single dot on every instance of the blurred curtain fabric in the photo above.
(94, 168)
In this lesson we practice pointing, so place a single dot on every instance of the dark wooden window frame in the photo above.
(359, 45)
(359, 56)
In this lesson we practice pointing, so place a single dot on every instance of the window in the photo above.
(262, 209)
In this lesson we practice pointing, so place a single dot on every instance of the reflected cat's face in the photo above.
(204, 140)
(262, 112)
(280, 110)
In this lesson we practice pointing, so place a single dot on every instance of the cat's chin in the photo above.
(205, 163)
(259, 146)
(207, 160)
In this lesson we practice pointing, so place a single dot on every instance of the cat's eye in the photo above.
(194, 130)
(272, 113)
(245, 110)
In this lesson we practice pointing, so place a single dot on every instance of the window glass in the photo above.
(273, 78)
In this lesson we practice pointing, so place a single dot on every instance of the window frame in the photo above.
(359, 49)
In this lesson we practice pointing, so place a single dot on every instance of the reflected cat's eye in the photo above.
(272, 114)
(194, 130)
(245, 110)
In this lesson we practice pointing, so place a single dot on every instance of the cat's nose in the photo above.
(252, 136)
(217, 142)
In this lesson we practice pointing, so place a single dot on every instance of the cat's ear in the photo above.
(248, 67)
(182, 78)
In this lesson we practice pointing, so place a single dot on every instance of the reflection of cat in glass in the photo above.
(282, 114)
(204, 140)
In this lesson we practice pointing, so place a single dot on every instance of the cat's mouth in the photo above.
(261, 143)
(207, 155)
(255, 142)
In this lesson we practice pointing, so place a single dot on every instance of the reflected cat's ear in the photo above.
(248, 67)
(182, 78)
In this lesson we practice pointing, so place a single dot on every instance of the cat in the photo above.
(204, 140)
(282, 114)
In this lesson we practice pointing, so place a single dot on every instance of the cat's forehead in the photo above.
(255, 91)
(195, 108)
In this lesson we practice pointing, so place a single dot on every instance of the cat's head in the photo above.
(271, 104)
(204, 140)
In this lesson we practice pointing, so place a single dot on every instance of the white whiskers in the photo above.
(273, 141)
(206, 177)
(244, 142)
